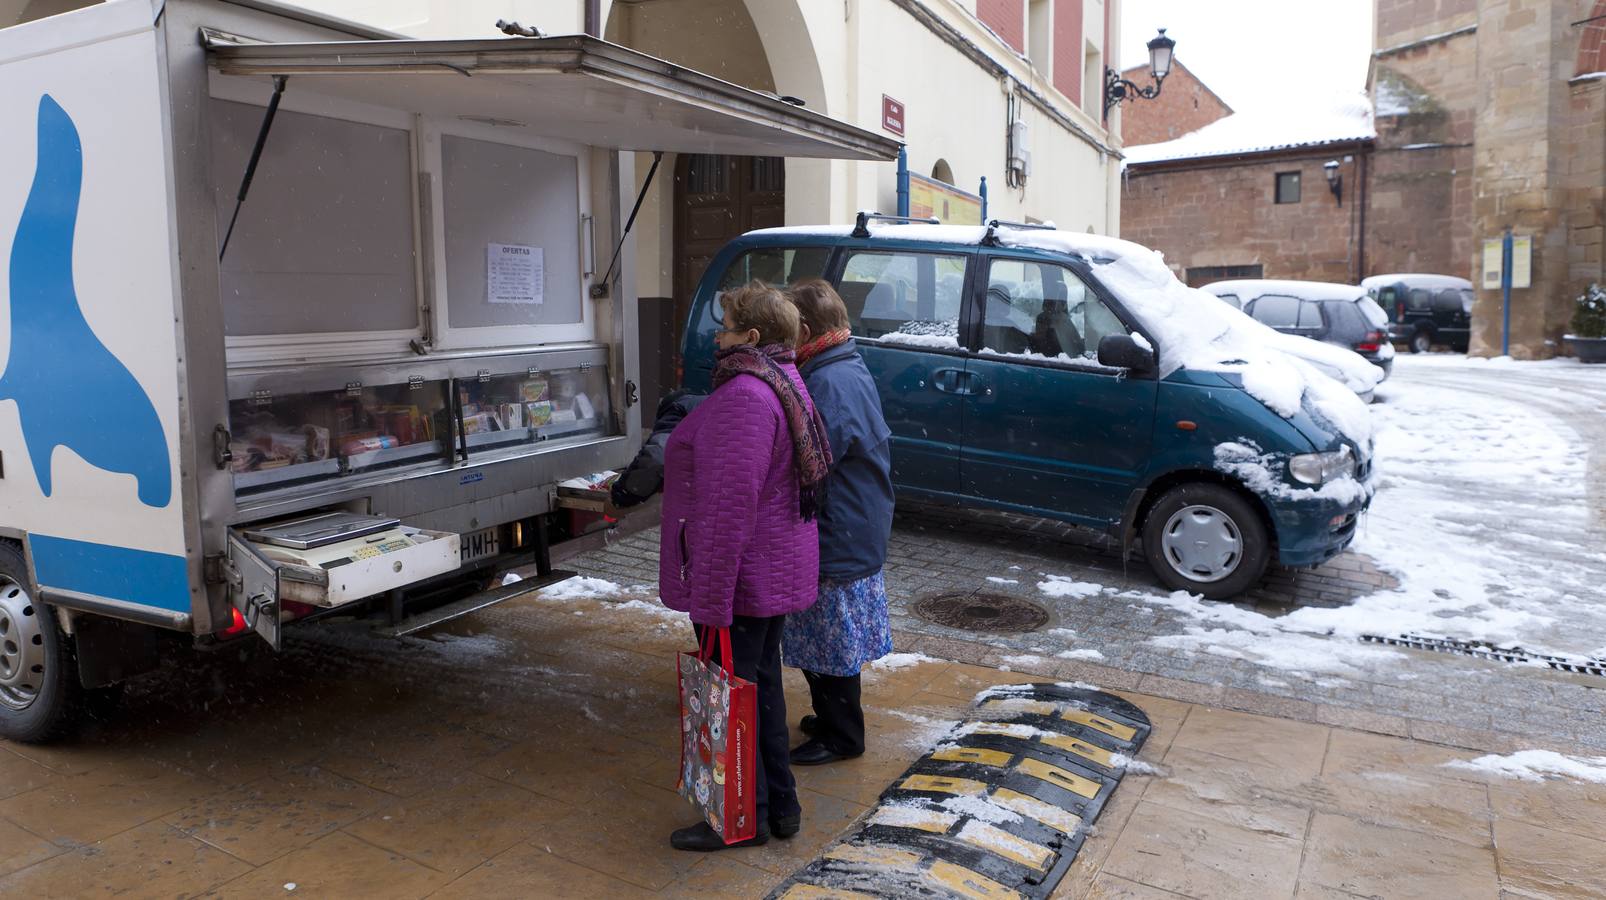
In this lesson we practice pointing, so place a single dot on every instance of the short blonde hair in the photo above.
(819, 305)
(759, 306)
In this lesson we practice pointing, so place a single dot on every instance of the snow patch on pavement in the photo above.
(1535, 765)
(1087, 653)
(580, 587)
(1063, 586)
(892, 662)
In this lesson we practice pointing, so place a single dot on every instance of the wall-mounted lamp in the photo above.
(1117, 88)
(1335, 181)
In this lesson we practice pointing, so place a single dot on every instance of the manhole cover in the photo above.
(982, 612)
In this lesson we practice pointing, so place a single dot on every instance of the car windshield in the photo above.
(1375, 316)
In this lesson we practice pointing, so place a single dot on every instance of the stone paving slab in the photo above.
(529, 751)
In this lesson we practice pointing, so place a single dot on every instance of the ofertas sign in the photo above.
(892, 115)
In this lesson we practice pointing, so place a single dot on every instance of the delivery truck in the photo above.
(299, 318)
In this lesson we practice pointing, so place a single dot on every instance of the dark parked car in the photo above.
(1424, 310)
(1025, 369)
(1340, 314)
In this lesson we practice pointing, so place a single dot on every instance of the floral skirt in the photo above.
(845, 628)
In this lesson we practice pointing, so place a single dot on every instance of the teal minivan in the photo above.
(1072, 377)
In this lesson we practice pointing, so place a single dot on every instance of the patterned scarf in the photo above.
(821, 344)
(810, 449)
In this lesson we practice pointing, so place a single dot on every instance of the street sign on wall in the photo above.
(892, 115)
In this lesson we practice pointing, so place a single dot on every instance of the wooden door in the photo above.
(718, 198)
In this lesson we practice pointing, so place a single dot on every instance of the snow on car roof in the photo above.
(1208, 336)
(1341, 118)
(1417, 280)
(1250, 288)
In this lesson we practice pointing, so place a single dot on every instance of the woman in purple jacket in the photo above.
(739, 545)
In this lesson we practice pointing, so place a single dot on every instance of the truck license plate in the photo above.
(480, 544)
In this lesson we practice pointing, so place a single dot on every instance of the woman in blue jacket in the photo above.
(847, 627)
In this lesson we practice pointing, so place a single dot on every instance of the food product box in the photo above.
(535, 389)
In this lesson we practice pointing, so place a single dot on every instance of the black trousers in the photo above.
(756, 646)
(838, 712)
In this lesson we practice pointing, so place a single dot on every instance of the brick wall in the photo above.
(1068, 49)
(1007, 18)
(1185, 105)
(1221, 213)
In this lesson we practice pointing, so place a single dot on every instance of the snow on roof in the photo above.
(1344, 117)
(1417, 280)
(1309, 290)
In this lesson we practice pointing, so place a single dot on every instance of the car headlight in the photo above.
(1320, 468)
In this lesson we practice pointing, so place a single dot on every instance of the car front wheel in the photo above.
(1206, 539)
(40, 695)
(1421, 342)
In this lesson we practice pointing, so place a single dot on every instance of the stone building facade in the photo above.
(1220, 217)
(1185, 105)
(1488, 115)
(1494, 111)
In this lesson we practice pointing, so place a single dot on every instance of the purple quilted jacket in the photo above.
(733, 540)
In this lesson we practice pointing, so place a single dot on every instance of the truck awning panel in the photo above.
(577, 88)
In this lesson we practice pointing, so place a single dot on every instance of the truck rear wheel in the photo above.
(1206, 539)
(1422, 341)
(40, 694)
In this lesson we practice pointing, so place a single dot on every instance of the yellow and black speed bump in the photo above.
(999, 809)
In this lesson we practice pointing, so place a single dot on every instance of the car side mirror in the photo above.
(1121, 351)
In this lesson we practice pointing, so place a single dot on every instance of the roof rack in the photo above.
(861, 225)
(990, 239)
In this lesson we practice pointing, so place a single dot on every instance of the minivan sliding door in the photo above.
(905, 309)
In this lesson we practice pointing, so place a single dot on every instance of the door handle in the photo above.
(947, 380)
(975, 384)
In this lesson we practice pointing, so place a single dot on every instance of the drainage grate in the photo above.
(982, 612)
(1582, 665)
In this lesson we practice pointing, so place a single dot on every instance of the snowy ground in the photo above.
(1483, 512)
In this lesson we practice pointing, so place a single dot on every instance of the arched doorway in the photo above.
(700, 202)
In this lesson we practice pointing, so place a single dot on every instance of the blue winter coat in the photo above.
(857, 516)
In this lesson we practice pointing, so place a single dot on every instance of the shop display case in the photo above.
(298, 427)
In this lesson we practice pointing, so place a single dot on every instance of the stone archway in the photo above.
(698, 203)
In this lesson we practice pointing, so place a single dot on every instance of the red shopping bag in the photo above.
(718, 727)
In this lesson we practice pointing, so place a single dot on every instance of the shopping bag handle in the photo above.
(705, 648)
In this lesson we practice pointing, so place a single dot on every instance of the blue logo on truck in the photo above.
(70, 390)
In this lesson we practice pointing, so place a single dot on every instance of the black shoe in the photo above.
(786, 826)
(703, 839)
(809, 725)
(814, 753)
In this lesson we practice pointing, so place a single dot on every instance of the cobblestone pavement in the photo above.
(1118, 636)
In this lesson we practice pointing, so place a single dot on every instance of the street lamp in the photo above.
(1335, 181)
(1117, 88)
